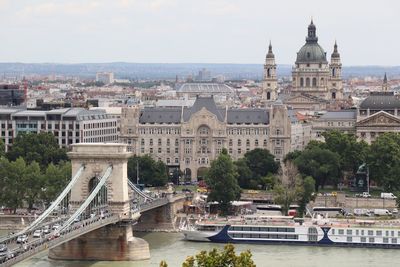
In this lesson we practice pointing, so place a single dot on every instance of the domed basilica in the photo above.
(314, 79)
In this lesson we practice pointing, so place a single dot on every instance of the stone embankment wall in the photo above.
(340, 200)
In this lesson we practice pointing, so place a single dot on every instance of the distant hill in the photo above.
(169, 71)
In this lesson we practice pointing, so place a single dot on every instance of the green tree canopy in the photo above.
(2, 148)
(215, 258)
(321, 164)
(150, 172)
(55, 178)
(42, 148)
(352, 153)
(384, 161)
(222, 182)
(254, 168)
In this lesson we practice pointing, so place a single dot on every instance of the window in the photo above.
(168, 142)
(159, 150)
(256, 142)
(265, 142)
(314, 82)
(159, 142)
(307, 82)
(394, 240)
(176, 142)
(187, 160)
(341, 232)
(239, 151)
(151, 150)
(385, 240)
(203, 130)
(363, 239)
(168, 150)
(349, 239)
(370, 232)
(349, 232)
(168, 160)
(230, 142)
(176, 150)
(301, 82)
(247, 142)
(239, 142)
(371, 240)
(176, 161)
(378, 233)
(142, 142)
(151, 141)
(333, 231)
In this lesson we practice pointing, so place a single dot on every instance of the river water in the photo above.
(171, 247)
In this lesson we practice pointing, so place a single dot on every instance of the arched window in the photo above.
(314, 82)
(268, 72)
(301, 82)
(307, 82)
(333, 72)
(333, 95)
(268, 95)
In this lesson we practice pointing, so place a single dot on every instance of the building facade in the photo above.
(69, 125)
(189, 138)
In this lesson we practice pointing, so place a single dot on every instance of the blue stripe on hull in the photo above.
(223, 237)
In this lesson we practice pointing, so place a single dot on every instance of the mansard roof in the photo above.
(173, 115)
(256, 116)
(160, 115)
(381, 101)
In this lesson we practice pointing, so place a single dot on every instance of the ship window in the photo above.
(363, 239)
(385, 240)
(394, 240)
(341, 232)
(273, 230)
(357, 232)
(370, 232)
(371, 240)
(246, 235)
(349, 239)
(392, 233)
(256, 229)
(387, 233)
(312, 234)
(349, 232)
(398, 233)
(362, 232)
(379, 233)
(333, 231)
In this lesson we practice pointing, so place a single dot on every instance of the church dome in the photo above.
(311, 52)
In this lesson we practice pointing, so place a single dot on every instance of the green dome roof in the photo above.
(311, 53)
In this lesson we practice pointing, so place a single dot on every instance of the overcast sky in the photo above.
(196, 31)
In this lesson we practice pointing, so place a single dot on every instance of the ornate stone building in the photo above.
(189, 138)
(315, 81)
(377, 114)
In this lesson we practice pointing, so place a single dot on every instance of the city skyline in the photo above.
(175, 31)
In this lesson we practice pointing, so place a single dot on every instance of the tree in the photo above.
(14, 178)
(352, 153)
(290, 187)
(150, 172)
(2, 148)
(254, 167)
(384, 161)
(40, 147)
(306, 196)
(34, 183)
(214, 258)
(222, 182)
(321, 164)
(261, 162)
(55, 178)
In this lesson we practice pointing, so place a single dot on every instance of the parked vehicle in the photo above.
(38, 233)
(388, 196)
(364, 195)
(3, 248)
(56, 226)
(362, 212)
(382, 212)
(395, 211)
(22, 239)
(46, 229)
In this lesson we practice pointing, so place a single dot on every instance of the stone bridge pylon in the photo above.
(114, 241)
(97, 158)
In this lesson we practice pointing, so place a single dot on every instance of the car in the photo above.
(46, 229)
(3, 248)
(22, 239)
(56, 226)
(38, 233)
(395, 211)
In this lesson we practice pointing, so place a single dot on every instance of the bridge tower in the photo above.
(97, 158)
(113, 242)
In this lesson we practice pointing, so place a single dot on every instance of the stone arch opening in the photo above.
(314, 82)
(301, 82)
(100, 201)
(268, 73)
(268, 95)
(333, 95)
